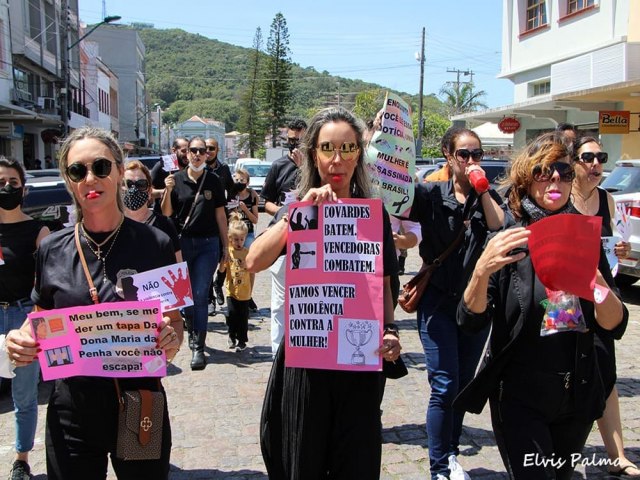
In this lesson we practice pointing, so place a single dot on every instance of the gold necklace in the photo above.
(585, 199)
(97, 251)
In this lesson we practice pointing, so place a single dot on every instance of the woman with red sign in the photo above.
(326, 423)
(540, 372)
(82, 416)
(590, 199)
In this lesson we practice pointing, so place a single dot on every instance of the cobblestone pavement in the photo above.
(215, 412)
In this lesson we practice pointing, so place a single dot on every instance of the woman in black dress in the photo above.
(82, 416)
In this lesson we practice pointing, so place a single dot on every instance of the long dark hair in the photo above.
(309, 176)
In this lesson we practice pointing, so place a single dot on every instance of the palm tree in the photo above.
(460, 98)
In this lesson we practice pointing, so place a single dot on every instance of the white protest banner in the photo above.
(171, 285)
(170, 163)
(391, 155)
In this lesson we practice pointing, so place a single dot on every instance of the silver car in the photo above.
(624, 184)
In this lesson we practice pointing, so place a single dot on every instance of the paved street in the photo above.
(215, 412)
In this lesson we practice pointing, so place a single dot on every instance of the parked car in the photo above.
(624, 184)
(47, 198)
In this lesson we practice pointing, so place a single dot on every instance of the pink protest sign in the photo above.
(565, 250)
(171, 285)
(105, 340)
(333, 288)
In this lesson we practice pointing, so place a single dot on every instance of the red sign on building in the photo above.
(509, 125)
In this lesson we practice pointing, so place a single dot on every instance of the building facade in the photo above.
(205, 128)
(568, 61)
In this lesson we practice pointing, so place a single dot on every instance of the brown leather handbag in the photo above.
(413, 290)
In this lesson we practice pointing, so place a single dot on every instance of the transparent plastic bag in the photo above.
(562, 314)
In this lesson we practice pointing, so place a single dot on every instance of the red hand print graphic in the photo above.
(180, 286)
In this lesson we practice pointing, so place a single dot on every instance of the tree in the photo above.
(432, 132)
(368, 103)
(277, 81)
(459, 97)
(250, 121)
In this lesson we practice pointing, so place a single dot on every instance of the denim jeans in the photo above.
(24, 386)
(451, 358)
(202, 255)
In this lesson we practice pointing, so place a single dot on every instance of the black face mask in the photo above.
(135, 199)
(10, 197)
(239, 186)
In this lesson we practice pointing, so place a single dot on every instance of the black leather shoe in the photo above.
(198, 360)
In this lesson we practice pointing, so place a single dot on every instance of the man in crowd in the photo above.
(280, 189)
(222, 170)
(180, 147)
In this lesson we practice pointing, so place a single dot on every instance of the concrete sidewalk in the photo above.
(215, 412)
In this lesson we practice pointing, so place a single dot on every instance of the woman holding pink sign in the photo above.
(590, 199)
(82, 417)
(320, 423)
(20, 236)
(540, 373)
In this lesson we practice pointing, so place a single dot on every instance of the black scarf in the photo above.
(533, 213)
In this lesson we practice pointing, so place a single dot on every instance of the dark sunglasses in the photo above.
(588, 157)
(211, 148)
(201, 150)
(293, 140)
(101, 168)
(544, 174)
(142, 184)
(475, 154)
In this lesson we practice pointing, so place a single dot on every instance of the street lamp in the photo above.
(66, 71)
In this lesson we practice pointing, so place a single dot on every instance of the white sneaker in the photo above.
(441, 477)
(455, 470)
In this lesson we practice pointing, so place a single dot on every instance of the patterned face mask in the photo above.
(135, 199)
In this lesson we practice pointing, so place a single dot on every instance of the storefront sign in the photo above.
(614, 121)
(509, 125)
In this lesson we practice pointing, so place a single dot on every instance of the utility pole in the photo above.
(420, 119)
(458, 72)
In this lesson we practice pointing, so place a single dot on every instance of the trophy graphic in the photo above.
(358, 334)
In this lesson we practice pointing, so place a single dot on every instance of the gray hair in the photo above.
(309, 176)
(94, 133)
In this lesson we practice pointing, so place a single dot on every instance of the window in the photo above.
(574, 6)
(541, 88)
(536, 14)
(3, 63)
(35, 27)
(50, 23)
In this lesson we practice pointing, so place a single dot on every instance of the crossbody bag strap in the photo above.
(93, 291)
(195, 199)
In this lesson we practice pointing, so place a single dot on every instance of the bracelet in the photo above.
(486, 191)
(391, 329)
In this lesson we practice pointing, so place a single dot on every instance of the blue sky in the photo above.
(375, 41)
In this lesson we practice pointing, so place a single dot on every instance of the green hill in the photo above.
(190, 74)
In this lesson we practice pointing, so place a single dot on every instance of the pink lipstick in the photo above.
(92, 194)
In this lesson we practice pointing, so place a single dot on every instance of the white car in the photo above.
(624, 184)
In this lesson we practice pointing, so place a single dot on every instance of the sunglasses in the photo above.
(348, 151)
(293, 140)
(211, 148)
(589, 157)
(198, 151)
(465, 153)
(142, 184)
(101, 168)
(544, 174)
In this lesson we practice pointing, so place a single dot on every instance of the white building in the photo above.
(569, 60)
